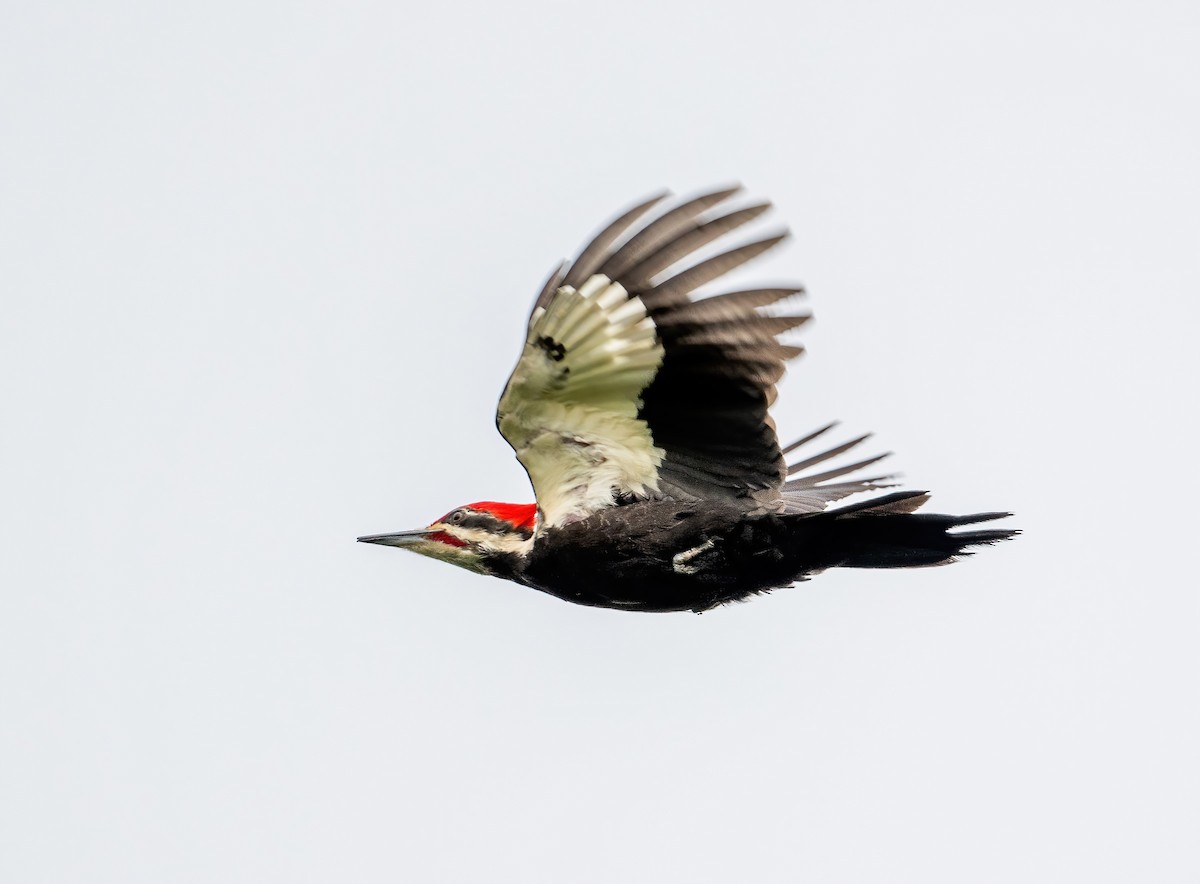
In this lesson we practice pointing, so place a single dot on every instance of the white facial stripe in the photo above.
(501, 543)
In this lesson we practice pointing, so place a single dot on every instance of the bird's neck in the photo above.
(506, 562)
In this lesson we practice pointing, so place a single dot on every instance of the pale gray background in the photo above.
(265, 268)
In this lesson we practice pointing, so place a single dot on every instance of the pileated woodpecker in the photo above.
(640, 415)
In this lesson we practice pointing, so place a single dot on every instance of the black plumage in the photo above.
(659, 556)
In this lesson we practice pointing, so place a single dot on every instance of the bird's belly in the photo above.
(668, 571)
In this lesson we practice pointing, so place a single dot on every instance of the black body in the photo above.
(660, 556)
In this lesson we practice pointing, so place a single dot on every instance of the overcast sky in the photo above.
(265, 268)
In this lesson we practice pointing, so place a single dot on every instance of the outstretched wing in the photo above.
(628, 389)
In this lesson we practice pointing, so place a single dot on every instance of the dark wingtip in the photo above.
(813, 435)
(717, 194)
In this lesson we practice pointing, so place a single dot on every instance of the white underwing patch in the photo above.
(571, 406)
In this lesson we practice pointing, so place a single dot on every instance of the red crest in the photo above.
(519, 515)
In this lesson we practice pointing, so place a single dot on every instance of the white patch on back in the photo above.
(570, 408)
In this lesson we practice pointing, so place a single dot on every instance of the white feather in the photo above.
(570, 408)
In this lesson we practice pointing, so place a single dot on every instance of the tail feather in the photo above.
(886, 533)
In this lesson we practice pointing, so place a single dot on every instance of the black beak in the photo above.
(402, 538)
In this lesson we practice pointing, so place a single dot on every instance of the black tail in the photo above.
(886, 533)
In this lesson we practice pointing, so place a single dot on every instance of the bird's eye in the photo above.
(457, 516)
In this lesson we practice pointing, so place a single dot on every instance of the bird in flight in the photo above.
(640, 413)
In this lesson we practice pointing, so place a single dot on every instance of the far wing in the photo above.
(627, 388)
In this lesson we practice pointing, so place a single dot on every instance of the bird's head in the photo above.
(480, 537)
